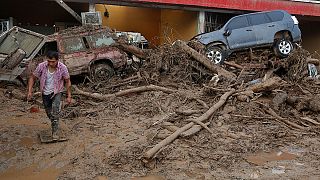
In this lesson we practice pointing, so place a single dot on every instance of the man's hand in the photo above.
(69, 99)
(29, 96)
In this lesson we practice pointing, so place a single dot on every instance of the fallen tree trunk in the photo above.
(204, 61)
(132, 49)
(176, 134)
(124, 92)
(267, 85)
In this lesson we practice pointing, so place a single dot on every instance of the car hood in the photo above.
(207, 38)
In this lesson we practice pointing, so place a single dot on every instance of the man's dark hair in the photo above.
(53, 54)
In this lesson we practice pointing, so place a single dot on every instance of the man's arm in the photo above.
(30, 86)
(68, 87)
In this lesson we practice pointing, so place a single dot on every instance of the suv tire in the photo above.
(283, 48)
(215, 54)
(101, 72)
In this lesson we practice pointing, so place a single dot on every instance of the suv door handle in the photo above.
(271, 25)
(249, 30)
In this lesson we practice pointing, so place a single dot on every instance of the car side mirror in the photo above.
(227, 32)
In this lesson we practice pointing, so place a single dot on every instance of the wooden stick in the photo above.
(272, 113)
(310, 120)
(201, 124)
(233, 64)
(194, 129)
(176, 134)
(124, 92)
(251, 117)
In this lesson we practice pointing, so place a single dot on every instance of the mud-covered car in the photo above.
(276, 29)
(84, 50)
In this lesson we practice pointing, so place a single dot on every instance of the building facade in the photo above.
(160, 21)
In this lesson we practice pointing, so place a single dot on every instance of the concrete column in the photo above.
(92, 7)
(201, 22)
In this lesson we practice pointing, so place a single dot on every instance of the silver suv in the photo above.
(276, 29)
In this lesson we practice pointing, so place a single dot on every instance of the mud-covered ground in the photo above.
(107, 139)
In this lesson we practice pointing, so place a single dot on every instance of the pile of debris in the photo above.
(179, 99)
(282, 90)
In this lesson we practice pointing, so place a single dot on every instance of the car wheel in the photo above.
(283, 48)
(215, 54)
(101, 72)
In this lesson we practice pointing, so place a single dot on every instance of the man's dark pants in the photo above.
(51, 104)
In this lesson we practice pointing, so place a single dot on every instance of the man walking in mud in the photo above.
(52, 75)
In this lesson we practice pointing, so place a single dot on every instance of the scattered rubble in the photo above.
(182, 117)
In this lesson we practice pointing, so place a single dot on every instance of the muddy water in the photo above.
(30, 173)
(263, 157)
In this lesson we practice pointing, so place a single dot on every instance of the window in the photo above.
(214, 21)
(100, 40)
(238, 22)
(73, 44)
(275, 16)
(259, 18)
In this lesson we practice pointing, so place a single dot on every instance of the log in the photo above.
(267, 85)
(123, 93)
(233, 64)
(132, 49)
(204, 60)
(194, 129)
(176, 134)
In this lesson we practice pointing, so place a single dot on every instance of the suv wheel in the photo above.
(283, 48)
(216, 54)
(101, 72)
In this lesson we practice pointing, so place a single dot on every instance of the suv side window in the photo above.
(260, 18)
(100, 40)
(73, 44)
(238, 22)
(275, 16)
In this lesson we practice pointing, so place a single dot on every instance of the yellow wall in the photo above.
(178, 24)
(158, 26)
(143, 20)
